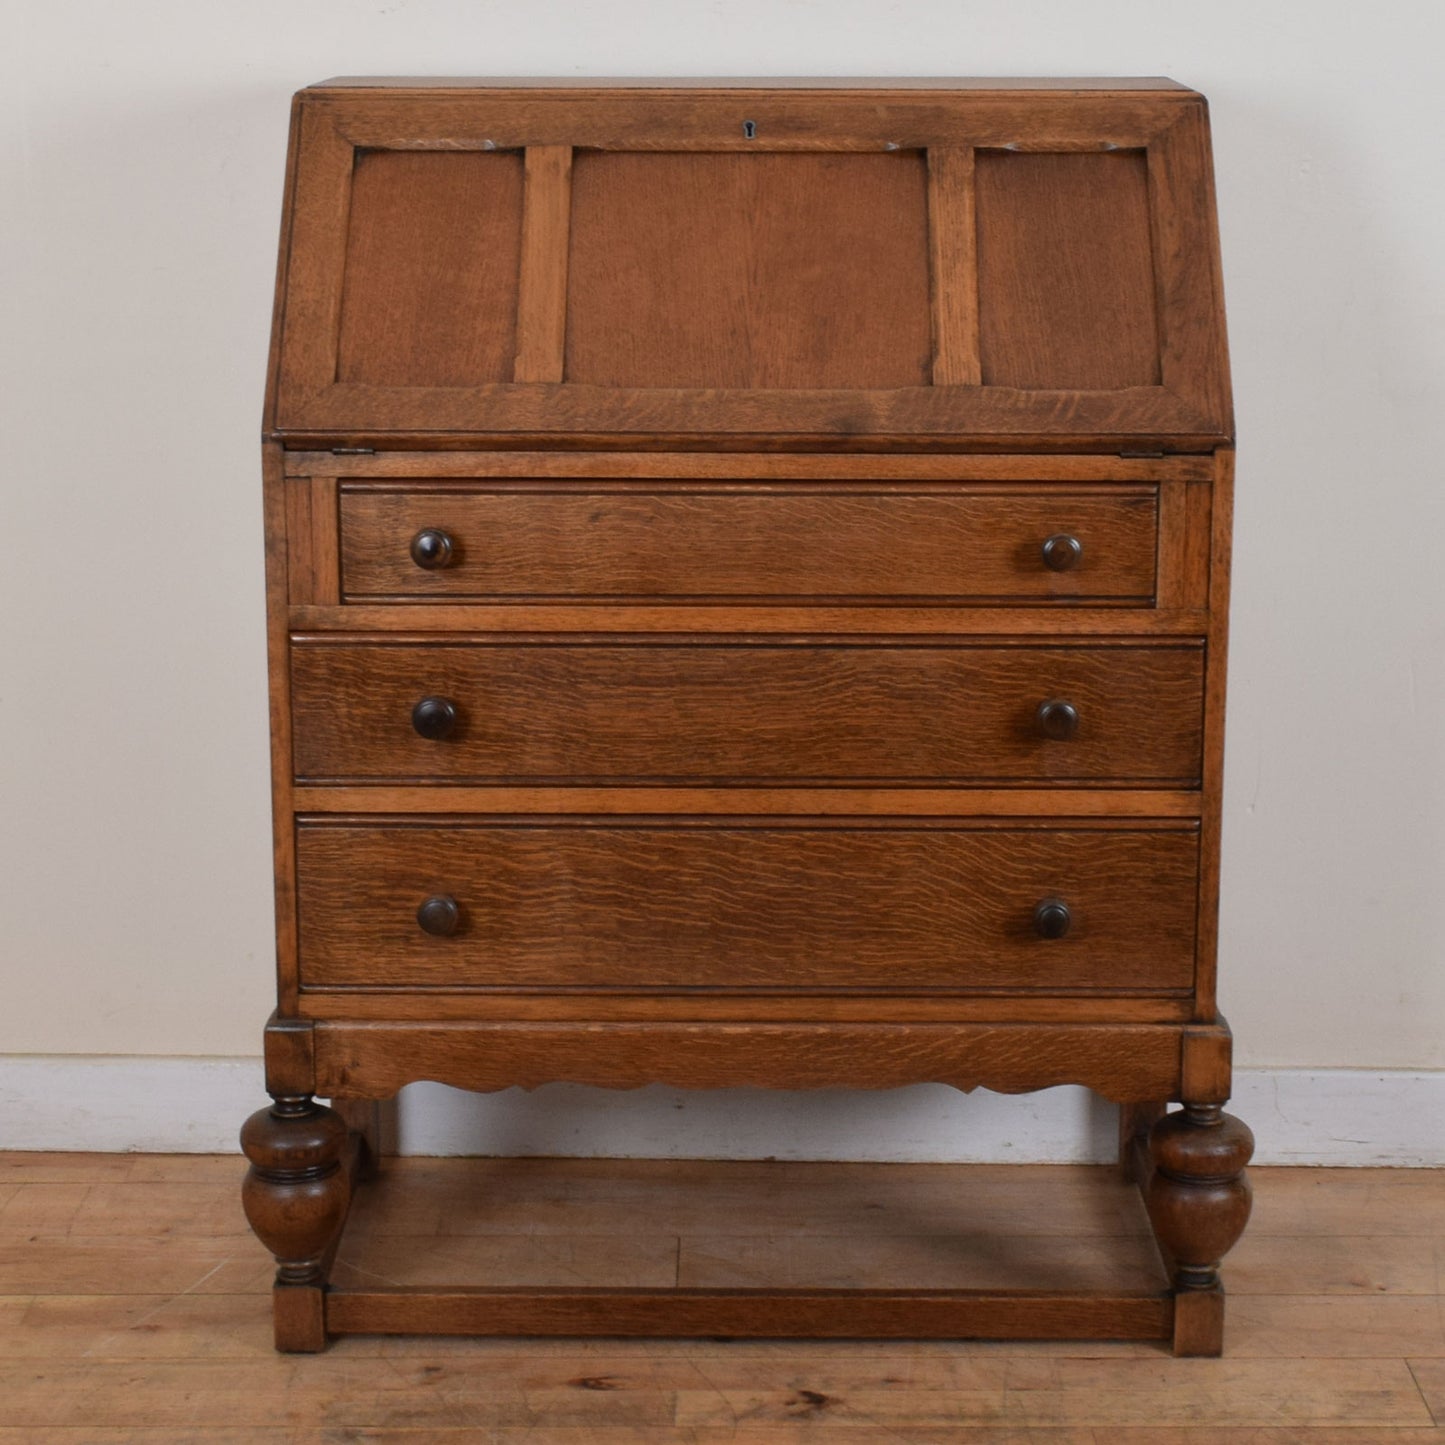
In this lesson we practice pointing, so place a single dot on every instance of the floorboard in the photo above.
(134, 1308)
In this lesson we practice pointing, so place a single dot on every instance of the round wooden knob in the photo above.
(435, 718)
(1052, 918)
(1057, 720)
(440, 916)
(432, 548)
(1062, 552)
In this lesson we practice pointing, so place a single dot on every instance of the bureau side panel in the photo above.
(278, 647)
(1213, 782)
(283, 259)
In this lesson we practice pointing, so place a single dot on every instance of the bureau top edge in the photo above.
(1011, 449)
(887, 83)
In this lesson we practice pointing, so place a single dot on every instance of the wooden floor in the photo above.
(134, 1308)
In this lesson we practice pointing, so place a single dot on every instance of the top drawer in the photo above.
(697, 542)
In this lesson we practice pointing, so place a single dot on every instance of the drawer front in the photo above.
(976, 544)
(747, 712)
(746, 907)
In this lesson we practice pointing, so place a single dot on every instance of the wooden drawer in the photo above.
(752, 906)
(747, 712)
(690, 541)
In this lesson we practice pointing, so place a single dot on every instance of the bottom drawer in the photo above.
(768, 905)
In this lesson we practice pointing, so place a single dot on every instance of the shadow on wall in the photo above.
(928, 1123)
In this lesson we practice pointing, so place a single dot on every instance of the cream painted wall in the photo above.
(142, 156)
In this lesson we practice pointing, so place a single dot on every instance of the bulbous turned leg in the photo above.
(295, 1196)
(1198, 1199)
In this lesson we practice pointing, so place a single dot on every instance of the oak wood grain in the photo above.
(727, 907)
(685, 221)
(1221, 535)
(763, 1313)
(432, 255)
(536, 414)
(313, 560)
(283, 836)
(953, 265)
(1055, 803)
(373, 1059)
(744, 466)
(704, 270)
(694, 120)
(691, 542)
(1100, 1006)
(747, 712)
(1058, 313)
(740, 621)
(542, 284)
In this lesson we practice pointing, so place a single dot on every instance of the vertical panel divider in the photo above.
(1170, 576)
(542, 285)
(953, 266)
(313, 546)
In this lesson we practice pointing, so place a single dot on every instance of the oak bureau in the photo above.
(747, 574)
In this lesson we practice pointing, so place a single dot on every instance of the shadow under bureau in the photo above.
(747, 578)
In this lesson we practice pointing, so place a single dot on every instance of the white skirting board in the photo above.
(159, 1105)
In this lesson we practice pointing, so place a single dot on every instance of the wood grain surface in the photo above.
(714, 907)
(747, 712)
(734, 466)
(699, 303)
(373, 1059)
(739, 620)
(432, 251)
(134, 1307)
(542, 282)
(691, 541)
(705, 270)
(1065, 271)
(761, 1005)
(796, 802)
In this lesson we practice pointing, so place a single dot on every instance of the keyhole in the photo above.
(750, 130)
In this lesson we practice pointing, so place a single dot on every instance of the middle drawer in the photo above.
(482, 711)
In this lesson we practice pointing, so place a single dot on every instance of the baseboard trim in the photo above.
(1350, 1117)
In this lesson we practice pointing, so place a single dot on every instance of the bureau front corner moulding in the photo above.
(747, 571)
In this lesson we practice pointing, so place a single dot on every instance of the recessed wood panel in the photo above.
(1066, 271)
(747, 712)
(727, 907)
(432, 256)
(735, 270)
(689, 540)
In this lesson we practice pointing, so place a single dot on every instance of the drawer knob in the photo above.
(435, 718)
(440, 916)
(1062, 552)
(1052, 918)
(1057, 720)
(432, 548)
